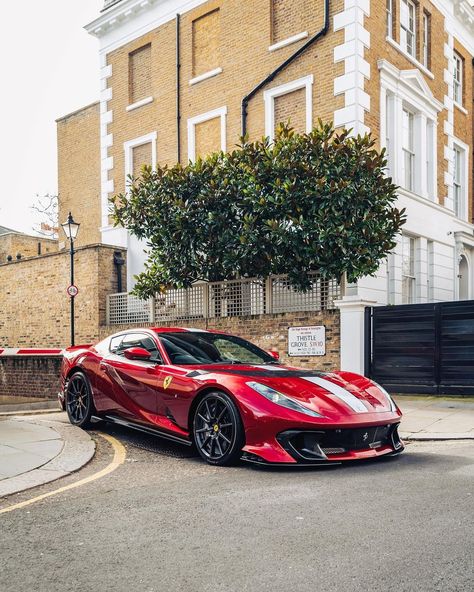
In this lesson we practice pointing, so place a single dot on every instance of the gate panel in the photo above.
(456, 372)
(404, 348)
(422, 348)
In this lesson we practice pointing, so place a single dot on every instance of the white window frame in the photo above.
(408, 89)
(462, 181)
(130, 145)
(425, 50)
(405, 30)
(409, 156)
(271, 94)
(194, 121)
(412, 297)
(458, 78)
(389, 17)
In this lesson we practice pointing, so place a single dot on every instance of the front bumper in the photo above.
(329, 445)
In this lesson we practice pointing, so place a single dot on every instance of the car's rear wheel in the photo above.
(217, 429)
(79, 403)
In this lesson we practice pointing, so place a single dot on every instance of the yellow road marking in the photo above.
(119, 458)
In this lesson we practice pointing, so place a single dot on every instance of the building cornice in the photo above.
(129, 19)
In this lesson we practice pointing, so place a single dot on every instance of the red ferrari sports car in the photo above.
(228, 398)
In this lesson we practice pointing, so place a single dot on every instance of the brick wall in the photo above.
(290, 18)
(140, 74)
(206, 42)
(79, 172)
(292, 107)
(270, 332)
(208, 137)
(141, 155)
(30, 376)
(245, 37)
(24, 245)
(34, 306)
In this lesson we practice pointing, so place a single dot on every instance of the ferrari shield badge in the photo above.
(167, 382)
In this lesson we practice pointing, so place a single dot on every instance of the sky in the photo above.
(50, 67)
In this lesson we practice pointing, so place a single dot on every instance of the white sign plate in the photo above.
(307, 341)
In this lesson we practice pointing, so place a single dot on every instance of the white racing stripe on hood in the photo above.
(276, 369)
(341, 393)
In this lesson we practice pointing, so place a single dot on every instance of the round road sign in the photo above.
(72, 291)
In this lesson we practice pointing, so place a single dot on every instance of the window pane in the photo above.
(408, 269)
(458, 66)
(407, 26)
(389, 18)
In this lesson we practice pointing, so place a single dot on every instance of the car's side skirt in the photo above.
(146, 429)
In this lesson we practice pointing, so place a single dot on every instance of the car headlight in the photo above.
(281, 399)
(393, 407)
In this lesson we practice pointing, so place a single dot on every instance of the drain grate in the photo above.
(148, 442)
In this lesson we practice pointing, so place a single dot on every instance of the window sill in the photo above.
(409, 57)
(138, 104)
(205, 76)
(288, 41)
(461, 108)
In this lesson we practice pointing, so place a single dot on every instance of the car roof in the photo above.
(183, 330)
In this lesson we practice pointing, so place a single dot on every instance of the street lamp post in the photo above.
(71, 229)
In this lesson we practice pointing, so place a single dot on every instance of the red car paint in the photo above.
(160, 396)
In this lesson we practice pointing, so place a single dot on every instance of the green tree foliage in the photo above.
(317, 201)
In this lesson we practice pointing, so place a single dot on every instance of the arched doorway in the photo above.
(463, 278)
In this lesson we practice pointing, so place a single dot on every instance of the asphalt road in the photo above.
(165, 521)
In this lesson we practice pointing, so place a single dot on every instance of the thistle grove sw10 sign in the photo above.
(307, 341)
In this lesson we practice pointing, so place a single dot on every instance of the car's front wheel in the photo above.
(79, 403)
(217, 429)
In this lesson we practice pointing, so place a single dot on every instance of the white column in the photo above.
(420, 155)
(352, 310)
(421, 270)
(397, 140)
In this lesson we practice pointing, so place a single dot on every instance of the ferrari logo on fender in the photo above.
(167, 382)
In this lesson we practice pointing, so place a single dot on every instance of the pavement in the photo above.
(36, 449)
(436, 418)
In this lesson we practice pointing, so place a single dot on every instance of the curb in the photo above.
(435, 436)
(29, 408)
(78, 449)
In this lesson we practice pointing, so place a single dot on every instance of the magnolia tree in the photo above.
(318, 201)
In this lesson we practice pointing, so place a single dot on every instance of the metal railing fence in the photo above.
(231, 298)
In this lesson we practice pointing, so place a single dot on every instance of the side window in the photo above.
(115, 343)
(138, 340)
(150, 345)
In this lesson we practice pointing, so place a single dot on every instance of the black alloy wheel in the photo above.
(217, 429)
(79, 403)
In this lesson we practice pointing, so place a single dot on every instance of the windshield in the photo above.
(189, 348)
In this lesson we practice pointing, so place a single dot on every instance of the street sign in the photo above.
(307, 341)
(72, 291)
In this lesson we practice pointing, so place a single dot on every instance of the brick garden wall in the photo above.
(270, 332)
(30, 376)
(34, 306)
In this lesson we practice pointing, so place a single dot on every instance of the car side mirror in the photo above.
(137, 353)
(275, 355)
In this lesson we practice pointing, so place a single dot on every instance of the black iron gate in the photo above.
(421, 348)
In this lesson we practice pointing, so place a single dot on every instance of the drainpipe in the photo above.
(287, 62)
(119, 262)
(178, 87)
